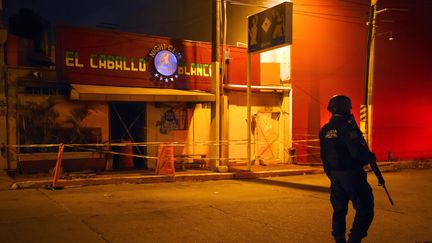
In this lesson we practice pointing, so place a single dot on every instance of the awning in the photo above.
(115, 93)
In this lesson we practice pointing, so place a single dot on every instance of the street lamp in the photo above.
(385, 33)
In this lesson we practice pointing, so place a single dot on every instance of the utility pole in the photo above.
(4, 131)
(366, 107)
(215, 106)
(249, 111)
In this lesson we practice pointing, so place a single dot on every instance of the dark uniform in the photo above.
(344, 152)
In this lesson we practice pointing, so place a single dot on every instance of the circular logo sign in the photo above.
(165, 63)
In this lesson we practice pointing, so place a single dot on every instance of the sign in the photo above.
(173, 119)
(104, 57)
(270, 28)
(168, 65)
(165, 60)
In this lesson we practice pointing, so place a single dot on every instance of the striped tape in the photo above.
(363, 112)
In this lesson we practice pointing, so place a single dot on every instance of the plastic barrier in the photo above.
(58, 166)
(126, 162)
(165, 161)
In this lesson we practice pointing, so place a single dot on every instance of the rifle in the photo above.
(373, 164)
(381, 181)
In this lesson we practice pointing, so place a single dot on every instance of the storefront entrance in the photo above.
(127, 125)
(267, 136)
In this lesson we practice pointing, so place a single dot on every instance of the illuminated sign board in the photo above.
(108, 62)
(104, 57)
(165, 61)
(270, 28)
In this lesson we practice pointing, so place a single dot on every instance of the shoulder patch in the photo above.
(331, 134)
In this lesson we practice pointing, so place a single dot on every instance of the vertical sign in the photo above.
(270, 28)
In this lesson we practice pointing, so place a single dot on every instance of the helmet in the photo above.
(339, 104)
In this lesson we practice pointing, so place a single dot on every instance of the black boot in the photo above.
(354, 240)
(340, 239)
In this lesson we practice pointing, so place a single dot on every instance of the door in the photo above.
(267, 136)
(128, 125)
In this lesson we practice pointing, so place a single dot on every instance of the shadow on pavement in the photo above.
(290, 185)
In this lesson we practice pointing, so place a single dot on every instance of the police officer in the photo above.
(344, 152)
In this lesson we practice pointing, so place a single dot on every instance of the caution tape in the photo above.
(306, 140)
(303, 155)
(307, 146)
(117, 153)
(223, 142)
(155, 158)
(104, 147)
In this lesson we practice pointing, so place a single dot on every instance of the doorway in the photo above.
(267, 136)
(128, 125)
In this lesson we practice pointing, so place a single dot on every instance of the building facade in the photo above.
(112, 94)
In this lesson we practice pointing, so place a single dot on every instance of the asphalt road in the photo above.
(282, 209)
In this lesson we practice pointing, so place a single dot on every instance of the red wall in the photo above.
(328, 58)
(329, 55)
(403, 86)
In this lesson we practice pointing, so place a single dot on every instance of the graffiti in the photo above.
(172, 120)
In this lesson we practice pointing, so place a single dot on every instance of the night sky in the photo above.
(82, 13)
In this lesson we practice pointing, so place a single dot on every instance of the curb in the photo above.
(141, 179)
(392, 166)
(161, 178)
(5, 181)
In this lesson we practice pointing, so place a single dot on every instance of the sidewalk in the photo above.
(5, 181)
(22, 181)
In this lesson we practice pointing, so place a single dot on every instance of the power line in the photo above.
(265, 4)
(332, 15)
(327, 5)
(354, 2)
(329, 18)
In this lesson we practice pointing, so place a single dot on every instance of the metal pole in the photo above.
(248, 103)
(215, 106)
(366, 108)
(371, 79)
(4, 115)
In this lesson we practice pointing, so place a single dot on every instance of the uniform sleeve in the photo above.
(323, 155)
(356, 145)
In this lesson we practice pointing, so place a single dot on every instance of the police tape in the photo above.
(306, 140)
(126, 154)
(91, 147)
(307, 146)
(180, 158)
(307, 154)
(143, 144)
(113, 152)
